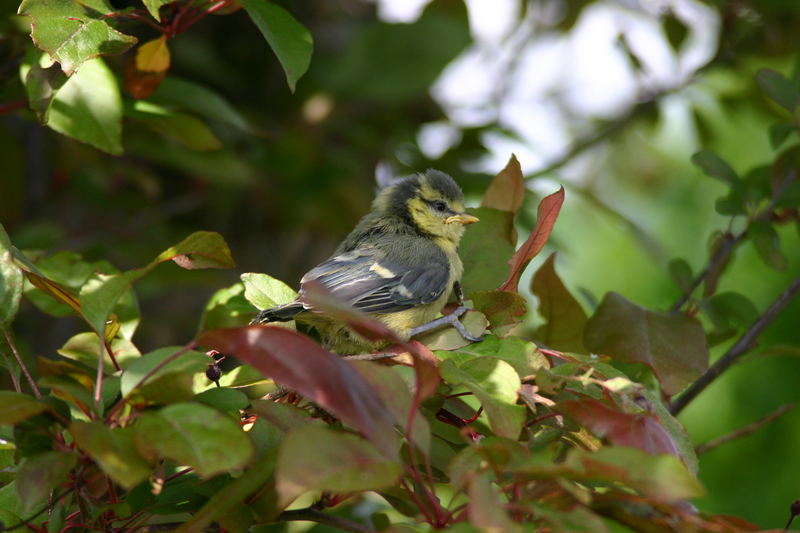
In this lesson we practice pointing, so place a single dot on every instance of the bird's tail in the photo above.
(280, 313)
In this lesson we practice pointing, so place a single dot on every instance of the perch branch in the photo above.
(745, 431)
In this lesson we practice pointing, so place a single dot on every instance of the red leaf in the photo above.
(300, 364)
(426, 370)
(548, 211)
(507, 190)
(320, 299)
(147, 68)
(639, 430)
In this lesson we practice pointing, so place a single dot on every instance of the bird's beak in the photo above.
(462, 218)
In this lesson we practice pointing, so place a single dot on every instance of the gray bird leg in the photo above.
(451, 319)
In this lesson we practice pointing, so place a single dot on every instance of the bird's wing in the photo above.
(376, 280)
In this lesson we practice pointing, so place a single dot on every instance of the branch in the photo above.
(728, 245)
(745, 343)
(745, 431)
(12, 373)
(21, 364)
(310, 514)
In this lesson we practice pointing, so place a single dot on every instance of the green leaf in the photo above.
(317, 458)
(100, 294)
(486, 506)
(42, 80)
(565, 317)
(681, 274)
(398, 398)
(153, 7)
(88, 108)
(779, 132)
(495, 383)
(16, 407)
(72, 32)
(39, 474)
(11, 280)
(503, 309)
(289, 39)
(113, 450)
(224, 399)
(199, 100)
(196, 435)
(730, 309)
(201, 249)
(779, 89)
(85, 347)
(714, 166)
(226, 308)
(767, 244)
(674, 346)
(191, 362)
(486, 248)
(186, 129)
(264, 291)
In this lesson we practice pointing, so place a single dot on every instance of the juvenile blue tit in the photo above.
(400, 264)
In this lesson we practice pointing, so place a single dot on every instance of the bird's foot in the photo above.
(451, 319)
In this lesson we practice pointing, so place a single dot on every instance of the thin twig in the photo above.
(745, 343)
(21, 364)
(743, 432)
(13, 374)
(310, 514)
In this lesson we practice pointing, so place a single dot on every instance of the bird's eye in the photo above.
(439, 205)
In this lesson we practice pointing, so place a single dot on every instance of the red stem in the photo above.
(13, 105)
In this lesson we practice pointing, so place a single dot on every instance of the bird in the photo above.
(400, 265)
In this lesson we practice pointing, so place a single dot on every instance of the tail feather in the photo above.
(280, 313)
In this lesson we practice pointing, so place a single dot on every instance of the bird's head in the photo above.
(432, 203)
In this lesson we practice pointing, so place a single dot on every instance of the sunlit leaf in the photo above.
(113, 450)
(495, 383)
(226, 308)
(42, 81)
(153, 7)
(72, 33)
(565, 317)
(190, 362)
(224, 399)
(147, 67)
(289, 39)
(88, 107)
(319, 375)
(507, 190)
(11, 280)
(201, 249)
(318, 458)
(674, 346)
(264, 291)
(546, 217)
(196, 435)
(85, 348)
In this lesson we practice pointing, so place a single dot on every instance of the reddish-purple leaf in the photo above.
(565, 317)
(674, 346)
(548, 211)
(640, 430)
(297, 362)
(320, 299)
(507, 190)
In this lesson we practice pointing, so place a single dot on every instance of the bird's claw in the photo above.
(453, 318)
